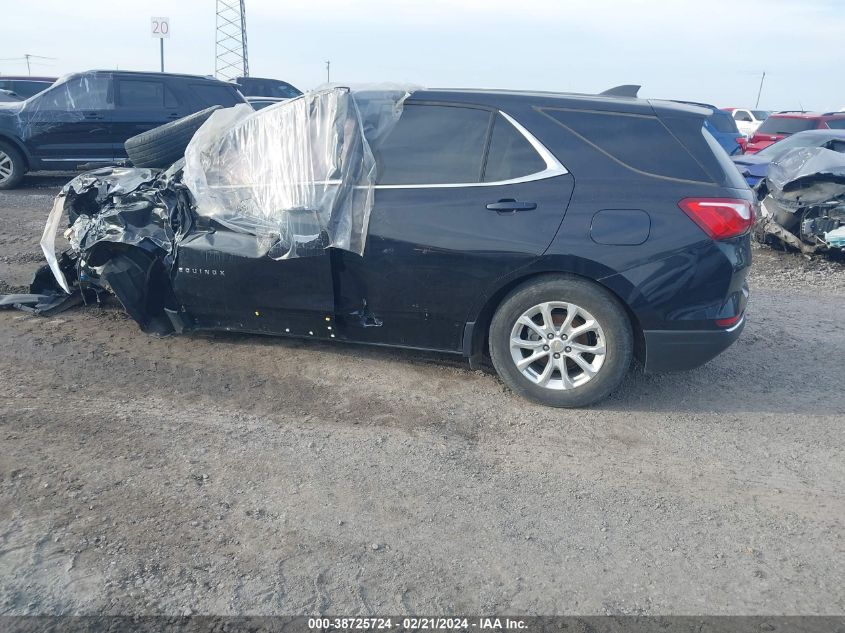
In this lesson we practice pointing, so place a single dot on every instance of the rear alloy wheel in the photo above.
(12, 167)
(561, 341)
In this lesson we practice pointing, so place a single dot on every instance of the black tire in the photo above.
(604, 308)
(164, 145)
(11, 159)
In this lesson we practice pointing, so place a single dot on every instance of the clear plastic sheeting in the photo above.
(299, 175)
(70, 99)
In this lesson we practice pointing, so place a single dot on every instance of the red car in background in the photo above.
(783, 124)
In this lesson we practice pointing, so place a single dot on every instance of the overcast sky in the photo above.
(713, 50)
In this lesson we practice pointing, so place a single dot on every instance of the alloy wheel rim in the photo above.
(558, 345)
(7, 167)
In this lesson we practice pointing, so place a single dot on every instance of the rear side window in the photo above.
(640, 142)
(211, 94)
(785, 125)
(434, 145)
(510, 155)
(144, 95)
(836, 124)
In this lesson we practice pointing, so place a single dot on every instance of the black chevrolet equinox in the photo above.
(84, 118)
(563, 234)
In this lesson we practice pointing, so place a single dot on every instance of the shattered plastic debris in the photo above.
(836, 238)
(802, 200)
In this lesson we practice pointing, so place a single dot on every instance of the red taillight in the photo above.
(720, 218)
(729, 322)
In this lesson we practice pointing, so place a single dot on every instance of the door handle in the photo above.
(174, 115)
(509, 204)
(93, 116)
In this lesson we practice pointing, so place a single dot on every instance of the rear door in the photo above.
(142, 103)
(71, 123)
(465, 196)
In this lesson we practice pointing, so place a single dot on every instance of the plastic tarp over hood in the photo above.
(296, 172)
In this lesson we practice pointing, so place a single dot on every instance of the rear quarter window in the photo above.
(640, 142)
(510, 155)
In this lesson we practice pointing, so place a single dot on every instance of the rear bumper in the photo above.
(677, 350)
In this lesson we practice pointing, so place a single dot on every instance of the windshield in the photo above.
(774, 150)
(785, 125)
(760, 115)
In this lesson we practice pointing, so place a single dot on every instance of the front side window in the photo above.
(511, 155)
(433, 144)
(89, 92)
(742, 115)
(836, 124)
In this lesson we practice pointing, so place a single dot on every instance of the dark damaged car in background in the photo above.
(562, 234)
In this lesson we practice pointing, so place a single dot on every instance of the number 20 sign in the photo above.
(161, 27)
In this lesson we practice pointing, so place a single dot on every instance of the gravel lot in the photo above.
(214, 473)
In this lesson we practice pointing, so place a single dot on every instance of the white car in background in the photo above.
(748, 120)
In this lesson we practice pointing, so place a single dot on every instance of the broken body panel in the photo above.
(802, 200)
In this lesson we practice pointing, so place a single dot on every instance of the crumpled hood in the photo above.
(810, 175)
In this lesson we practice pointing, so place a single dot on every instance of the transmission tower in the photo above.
(231, 57)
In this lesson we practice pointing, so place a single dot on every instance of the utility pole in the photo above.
(28, 58)
(760, 90)
(328, 71)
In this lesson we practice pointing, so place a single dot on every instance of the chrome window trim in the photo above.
(553, 166)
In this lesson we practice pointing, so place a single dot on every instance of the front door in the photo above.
(233, 280)
(466, 196)
(71, 123)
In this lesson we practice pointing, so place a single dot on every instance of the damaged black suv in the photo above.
(563, 234)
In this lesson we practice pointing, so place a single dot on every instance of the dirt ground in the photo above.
(224, 474)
